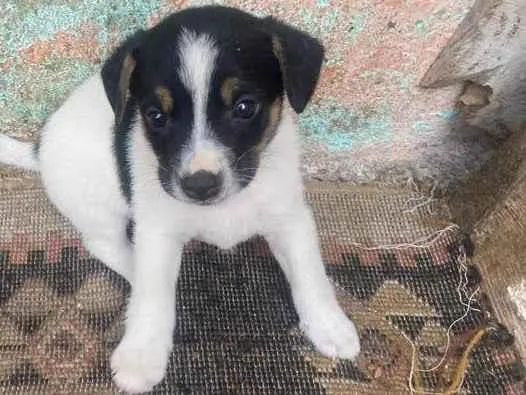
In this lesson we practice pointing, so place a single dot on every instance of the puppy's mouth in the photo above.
(210, 202)
(178, 194)
(206, 202)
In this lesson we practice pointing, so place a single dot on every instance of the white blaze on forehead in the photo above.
(198, 55)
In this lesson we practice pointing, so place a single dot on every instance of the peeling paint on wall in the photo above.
(367, 96)
(341, 128)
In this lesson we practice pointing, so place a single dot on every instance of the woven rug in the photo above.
(398, 270)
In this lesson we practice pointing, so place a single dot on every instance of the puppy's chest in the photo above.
(226, 228)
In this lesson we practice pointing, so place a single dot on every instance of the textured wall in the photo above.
(368, 119)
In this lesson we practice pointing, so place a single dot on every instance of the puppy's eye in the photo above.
(245, 108)
(157, 118)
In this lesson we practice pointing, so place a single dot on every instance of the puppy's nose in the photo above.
(201, 185)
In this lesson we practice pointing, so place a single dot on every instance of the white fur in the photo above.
(79, 172)
(198, 57)
(17, 153)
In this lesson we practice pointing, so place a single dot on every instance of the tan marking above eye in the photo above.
(166, 99)
(275, 113)
(228, 88)
(273, 124)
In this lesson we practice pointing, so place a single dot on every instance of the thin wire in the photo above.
(422, 201)
(422, 243)
(425, 243)
(462, 286)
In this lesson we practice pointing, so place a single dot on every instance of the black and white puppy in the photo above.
(188, 132)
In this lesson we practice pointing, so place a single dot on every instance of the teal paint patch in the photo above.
(448, 115)
(422, 127)
(404, 82)
(31, 93)
(103, 38)
(321, 25)
(28, 25)
(357, 26)
(420, 26)
(340, 128)
(329, 21)
(322, 3)
(28, 96)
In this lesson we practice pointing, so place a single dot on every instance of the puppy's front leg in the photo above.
(140, 360)
(295, 244)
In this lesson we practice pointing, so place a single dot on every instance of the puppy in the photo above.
(188, 132)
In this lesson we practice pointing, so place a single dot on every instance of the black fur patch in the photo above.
(120, 146)
(130, 231)
(110, 74)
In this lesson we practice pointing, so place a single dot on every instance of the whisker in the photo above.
(244, 154)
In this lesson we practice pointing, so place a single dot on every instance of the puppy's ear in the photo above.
(117, 73)
(300, 57)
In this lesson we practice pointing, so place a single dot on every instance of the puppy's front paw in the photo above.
(332, 333)
(138, 366)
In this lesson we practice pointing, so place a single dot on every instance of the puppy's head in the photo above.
(209, 84)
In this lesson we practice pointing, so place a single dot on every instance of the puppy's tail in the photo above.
(18, 153)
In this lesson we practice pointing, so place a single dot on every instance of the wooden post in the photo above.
(488, 49)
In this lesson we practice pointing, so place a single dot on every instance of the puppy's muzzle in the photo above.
(202, 186)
